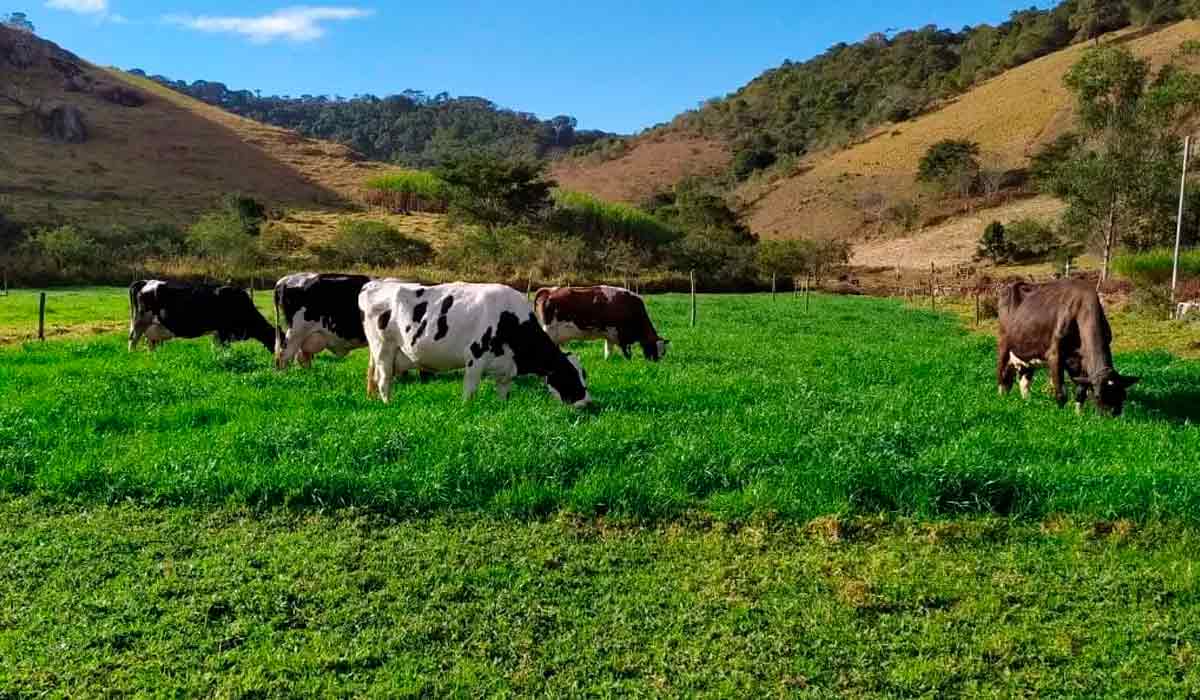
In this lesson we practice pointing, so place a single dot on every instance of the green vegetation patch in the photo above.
(862, 406)
(1154, 267)
(582, 214)
(228, 602)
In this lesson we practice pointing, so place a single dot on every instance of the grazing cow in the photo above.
(612, 314)
(162, 310)
(1062, 326)
(319, 312)
(484, 328)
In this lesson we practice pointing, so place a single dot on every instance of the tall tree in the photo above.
(18, 21)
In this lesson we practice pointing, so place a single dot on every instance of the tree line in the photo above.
(410, 128)
(827, 101)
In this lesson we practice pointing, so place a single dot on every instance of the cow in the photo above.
(612, 314)
(1062, 326)
(483, 328)
(319, 312)
(162, 310)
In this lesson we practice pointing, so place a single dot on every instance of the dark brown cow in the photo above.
(612, 314)
(1060, 325)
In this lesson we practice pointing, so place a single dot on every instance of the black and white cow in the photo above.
(484, 328)
(319, 312)
(162, 310)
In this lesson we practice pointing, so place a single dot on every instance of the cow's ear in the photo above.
(1128, 381)
(1082, 381)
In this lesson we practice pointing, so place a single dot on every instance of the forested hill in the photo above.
(829, 100)
(411, 128)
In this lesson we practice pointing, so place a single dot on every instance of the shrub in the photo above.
(12, 234)
(904, 214)
(952, 164)
(479, 251)
(280, 242)
(375, 244)
(408, 190)
(993, 245)
(68, 247)
(489, 191)
(1152, 301)
(221, 236)
(249, 212)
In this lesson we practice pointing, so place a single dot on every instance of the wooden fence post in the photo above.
(978, 313)
(807, 293)
(692, 276)
(42, 317)
(6, 281)
(772, 286)
(529, 286)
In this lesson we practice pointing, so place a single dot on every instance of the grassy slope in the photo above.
(230, 603)
(164, 162)
(760, 410)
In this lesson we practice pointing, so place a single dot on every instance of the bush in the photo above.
(249, 212)
(280, 242)
(952, 164)
(489, 191)
(1154, 267)
(479, 251)
(904, 214)
(375, 244)
(1152, 301)
(221, 236)
(68, 247)
(408, 190)
(132, 244)
(1025, 240)
(993, 245)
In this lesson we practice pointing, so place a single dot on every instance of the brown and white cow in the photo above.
(1062, 326)
(612, 314)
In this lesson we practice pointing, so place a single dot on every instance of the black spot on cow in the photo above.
(408, 328)
(420, 332)
(421, 292)
(384, 319)
(443, 324)
(419, 311)
(534, 353)
(484, 344)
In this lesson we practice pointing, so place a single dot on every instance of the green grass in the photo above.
(583, 213)
(120, 601)
(863, 406)
(1155, 267)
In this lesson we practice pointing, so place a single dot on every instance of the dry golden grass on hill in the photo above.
(1009, 116)
(166, 161)
(654, 163)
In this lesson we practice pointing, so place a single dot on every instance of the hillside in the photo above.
(837, 193)
(651, 163)
(164, 161)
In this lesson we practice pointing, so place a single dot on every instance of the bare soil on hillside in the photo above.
(166, 161)
(653, 164)
(1010, 116)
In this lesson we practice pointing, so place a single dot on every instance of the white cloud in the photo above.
(83, 7)
(293, 23)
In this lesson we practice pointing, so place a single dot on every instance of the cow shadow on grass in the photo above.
(1181, 406)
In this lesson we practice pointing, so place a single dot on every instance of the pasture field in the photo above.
(862, 406)
(816, 505)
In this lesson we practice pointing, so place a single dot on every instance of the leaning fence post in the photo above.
(978, 315)
(42, 316)
(692, 276)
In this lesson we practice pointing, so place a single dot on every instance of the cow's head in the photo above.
(656, 349)
(567, 380)
(1111, 389)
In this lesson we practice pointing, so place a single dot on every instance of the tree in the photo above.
(18, 21)
(993, 245)
(493, 192)
(1119, 181)
(1095, 17)
(952, 165)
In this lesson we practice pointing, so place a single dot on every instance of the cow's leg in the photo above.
(136, 331)
(627, 352)
(503, 386)
(607, 349)
(474, 375)
(1006, 374)
(1055, 365)
(372, 380)
(1026, 375)
(304, 359)
(389, 363)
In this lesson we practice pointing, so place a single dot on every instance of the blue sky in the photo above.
(619, 66)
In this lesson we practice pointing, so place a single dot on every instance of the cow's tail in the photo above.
(539, 304)
(279, 335)
(134, 290)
